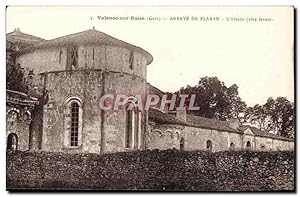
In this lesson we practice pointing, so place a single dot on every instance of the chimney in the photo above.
(180, 114)
(234, 123)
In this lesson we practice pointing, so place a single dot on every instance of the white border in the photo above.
(115, 3)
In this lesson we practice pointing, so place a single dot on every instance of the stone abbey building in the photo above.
(67, 76)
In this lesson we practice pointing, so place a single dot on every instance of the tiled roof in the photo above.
(91, 36)
(207, 123)
(258, 132)
(154, 90)
(158, 116)
(19, 98)
(18, 36)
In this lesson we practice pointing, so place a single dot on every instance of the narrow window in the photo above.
(74, 123)
(232, 146)
(248, 144)
(262, 147)
(181, 144)
(132, 127)
(12, 141)
(93, 53)
(209, 145)
(136, 129)
(59, 56)
(177, 135)
(131, 58)
(72, 58)
(128, 134)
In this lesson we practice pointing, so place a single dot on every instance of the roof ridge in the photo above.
(221, 127)
(97, 37)
(155, 88)
(22, 33)
(265, 133)
(208, 118)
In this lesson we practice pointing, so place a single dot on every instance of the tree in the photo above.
(215, 99)
(15, 77)
(257, 116)
(276, 116)
(281, 112)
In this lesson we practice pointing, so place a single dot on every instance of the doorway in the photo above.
(12, 142)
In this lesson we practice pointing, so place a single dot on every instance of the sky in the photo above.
(255, 55)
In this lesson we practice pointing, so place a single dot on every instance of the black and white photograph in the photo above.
(150, 98)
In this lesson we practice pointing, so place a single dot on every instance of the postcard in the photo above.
(157, 98)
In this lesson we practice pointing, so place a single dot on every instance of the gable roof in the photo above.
(248, 131)
(154, 90)
(208, 123)
(160, 117)
(258, 132)
(19, 37)
(90, 36)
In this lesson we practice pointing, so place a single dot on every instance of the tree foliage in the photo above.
(221, 102)
(15, 80)
(15, 76)
(276, 116)
(215, 99)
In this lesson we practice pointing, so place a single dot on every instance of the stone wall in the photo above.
(196, 139)
(115, 121)
(263, 143)
(17, 123)
(100, 132)
(152, 170)
(165, 136)
(283, 145)
(84, 85)
(43, 60)
(101, 70)
(36, 128)
(110, 58)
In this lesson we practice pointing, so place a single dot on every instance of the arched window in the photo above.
(232, 146)
(169, 134)
(177, 135)
(73, 122)
(248, 145)
(263, 147)
(209, 145)
(12, 116)
(12, 141)
(133, 129)
(27, 117)
(182, 144)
